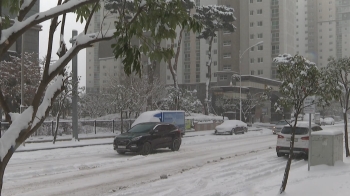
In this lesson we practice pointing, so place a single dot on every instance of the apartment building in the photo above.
(270, 23)
(31, 36)
(323, 29)
(101, 65)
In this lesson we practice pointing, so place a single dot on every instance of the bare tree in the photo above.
(63, 101)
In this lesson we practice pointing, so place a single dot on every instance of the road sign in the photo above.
(309, 105)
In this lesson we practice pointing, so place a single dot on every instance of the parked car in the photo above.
(231, 127)
(327, 121)
(279, 125)
(143, 138)
(301, 140)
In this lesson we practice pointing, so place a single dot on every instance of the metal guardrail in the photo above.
(84, 126)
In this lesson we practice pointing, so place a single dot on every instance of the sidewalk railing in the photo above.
(84, 126)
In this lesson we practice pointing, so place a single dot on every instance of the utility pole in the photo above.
(75, 91)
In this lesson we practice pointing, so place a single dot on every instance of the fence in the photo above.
(84, 126)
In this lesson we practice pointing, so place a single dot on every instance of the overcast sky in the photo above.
(70, 25)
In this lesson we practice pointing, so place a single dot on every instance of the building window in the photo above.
(260, 72)
(251, 1)
(227, 43)
(274, 2)
(260, 60)
(252, 60)
(260, 23)
(251, 24)
(168, 77)
(275, 24)
(251, 36)
(215, 63)
(275, 49)
(198, 67)
(260, 35)
(251, 12)
(274, 13)
(259, 1)
(259, 11)
(215, 51)
(223, 77)
(252, 72)
(227, 67)
(227, 55)
(252, 49)
(187, 57)
(187, 67)
(275, 37)
(260, 47)
(198, 78)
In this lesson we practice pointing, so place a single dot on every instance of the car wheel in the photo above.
(146, 149)
(305, 157)
(175, 144)
(231, 133)
(280, 154)
(120, 152)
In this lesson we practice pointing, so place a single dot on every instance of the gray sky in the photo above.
(70, 25)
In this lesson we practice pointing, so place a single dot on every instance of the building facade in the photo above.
(31, 36)
(322, 29)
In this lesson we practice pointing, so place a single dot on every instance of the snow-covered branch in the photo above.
(10, 35)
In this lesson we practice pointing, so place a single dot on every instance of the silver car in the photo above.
(279, 125)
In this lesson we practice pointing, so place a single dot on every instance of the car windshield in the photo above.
(142, 128)
(298, 130)
(282, 122)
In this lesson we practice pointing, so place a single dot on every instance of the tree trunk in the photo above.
(347, 153)
(173, 68)
(207, 87)
(121, 122)
(56, 127)
(3, 165)
(289, 162)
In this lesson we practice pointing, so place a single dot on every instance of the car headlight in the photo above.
(136, 138)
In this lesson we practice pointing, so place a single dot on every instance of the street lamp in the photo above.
(240, 78)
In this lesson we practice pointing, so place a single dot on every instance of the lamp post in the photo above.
(240, 78)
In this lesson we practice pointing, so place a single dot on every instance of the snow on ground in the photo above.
(206, 165)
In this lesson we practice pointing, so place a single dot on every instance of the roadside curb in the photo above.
(68, 139)
(58, 147)
(77, 146)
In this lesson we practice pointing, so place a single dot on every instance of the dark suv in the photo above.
(145, 137)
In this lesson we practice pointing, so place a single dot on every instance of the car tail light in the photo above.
(305, 138)
(280, 136)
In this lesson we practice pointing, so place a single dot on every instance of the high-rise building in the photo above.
(322, 29)
(101, 65)
(31, 36)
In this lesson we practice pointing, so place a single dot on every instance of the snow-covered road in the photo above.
(99, 170)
